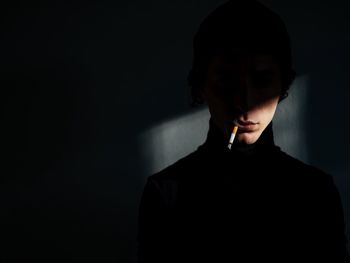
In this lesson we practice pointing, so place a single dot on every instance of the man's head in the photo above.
(242, 67)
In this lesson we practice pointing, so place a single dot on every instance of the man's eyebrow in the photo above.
(267, 70)
(264, 69)
(223, 71)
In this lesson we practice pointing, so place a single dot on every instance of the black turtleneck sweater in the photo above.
(251, 204)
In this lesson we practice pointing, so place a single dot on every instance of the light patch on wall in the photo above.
(173, 139)
(289, 121)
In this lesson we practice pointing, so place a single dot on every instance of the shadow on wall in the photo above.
(173, 139)
(81, 79)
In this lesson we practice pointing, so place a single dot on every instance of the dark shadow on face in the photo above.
(243, 91)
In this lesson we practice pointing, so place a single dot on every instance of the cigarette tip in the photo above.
(235, 129)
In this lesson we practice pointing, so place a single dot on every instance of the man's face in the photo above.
(243, 91)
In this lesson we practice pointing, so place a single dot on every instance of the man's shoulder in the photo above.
(183, 167)
(301, 169)
(167, 181)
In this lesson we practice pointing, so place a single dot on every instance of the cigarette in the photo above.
(233, 135)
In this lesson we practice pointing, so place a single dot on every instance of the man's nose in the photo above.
(242, 95)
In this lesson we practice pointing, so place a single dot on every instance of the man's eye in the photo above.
(262, 78)
(225, 79)
(224, 84)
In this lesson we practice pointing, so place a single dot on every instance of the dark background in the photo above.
(83, 79)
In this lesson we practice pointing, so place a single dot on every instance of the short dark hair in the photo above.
(238, 26)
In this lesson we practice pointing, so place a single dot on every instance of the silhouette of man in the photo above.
(252, 202)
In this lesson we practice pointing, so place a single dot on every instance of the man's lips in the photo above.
(245, 126)
(245, 123)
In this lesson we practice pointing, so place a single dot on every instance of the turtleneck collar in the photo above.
(217, 142)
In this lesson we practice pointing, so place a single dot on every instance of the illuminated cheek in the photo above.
(266, 110)
(271, 108)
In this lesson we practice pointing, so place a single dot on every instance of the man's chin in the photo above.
(247, 138)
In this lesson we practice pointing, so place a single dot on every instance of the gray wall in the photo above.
(85, 84)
